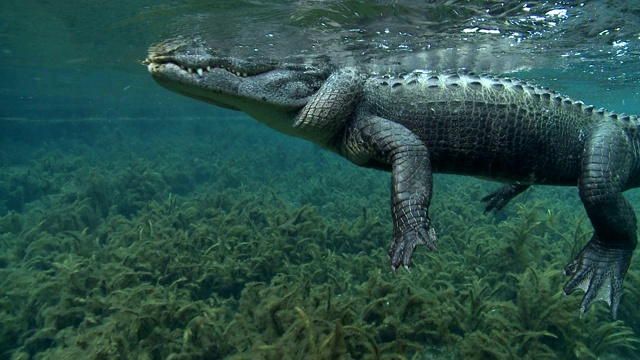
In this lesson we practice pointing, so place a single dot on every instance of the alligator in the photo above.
(418, 123)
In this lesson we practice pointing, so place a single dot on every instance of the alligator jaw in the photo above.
(198, 72)
(195, 83)
(199, 64)
(239, 84)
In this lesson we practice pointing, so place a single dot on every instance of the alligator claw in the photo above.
(598, 271)
(501, 197)
(404, 244)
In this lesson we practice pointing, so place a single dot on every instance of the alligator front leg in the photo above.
(600, 268)
(371, 141)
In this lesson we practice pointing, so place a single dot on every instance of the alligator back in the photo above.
(493, 127)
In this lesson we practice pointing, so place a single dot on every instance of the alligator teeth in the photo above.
(199, 71)
(190, 70)
(208, 68)
(244, 74)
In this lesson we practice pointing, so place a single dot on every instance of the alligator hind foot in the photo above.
(599, 271)
(499, 198)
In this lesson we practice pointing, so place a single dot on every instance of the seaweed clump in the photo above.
(157, 254)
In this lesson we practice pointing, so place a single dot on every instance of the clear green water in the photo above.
(135, 223)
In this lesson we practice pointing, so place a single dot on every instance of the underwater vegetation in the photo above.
(162, 240)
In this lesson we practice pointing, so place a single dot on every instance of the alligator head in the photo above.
(264, 89)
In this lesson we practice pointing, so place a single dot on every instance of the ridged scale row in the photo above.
(496, 83)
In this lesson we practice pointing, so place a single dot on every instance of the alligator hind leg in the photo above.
(600, 267)
(501, 197)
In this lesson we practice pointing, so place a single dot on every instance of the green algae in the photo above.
(187, 252)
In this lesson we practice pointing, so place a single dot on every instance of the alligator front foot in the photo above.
(405, 242)
(599, 271)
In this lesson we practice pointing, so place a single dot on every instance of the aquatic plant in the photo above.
(174, 251)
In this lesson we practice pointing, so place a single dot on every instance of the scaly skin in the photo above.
(421, 123)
